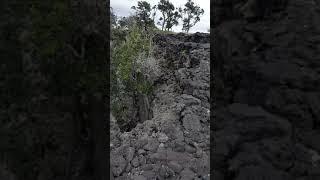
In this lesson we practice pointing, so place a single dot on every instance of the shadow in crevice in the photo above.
(143, 111)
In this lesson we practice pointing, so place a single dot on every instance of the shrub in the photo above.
(131, 73)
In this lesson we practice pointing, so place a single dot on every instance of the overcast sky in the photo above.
(123, 8)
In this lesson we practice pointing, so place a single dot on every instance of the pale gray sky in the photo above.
(123, 8)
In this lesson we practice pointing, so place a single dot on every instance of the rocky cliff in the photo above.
(175, 143)
(266, 67)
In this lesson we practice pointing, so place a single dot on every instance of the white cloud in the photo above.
(123, 8)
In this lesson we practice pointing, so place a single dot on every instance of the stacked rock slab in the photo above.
(266, 90)
(175, 143)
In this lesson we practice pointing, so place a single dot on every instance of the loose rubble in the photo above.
(175, 143)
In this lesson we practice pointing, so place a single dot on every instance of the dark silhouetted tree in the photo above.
(154, 12)
(113, 18)
(143, 14)
(191, 14)
(173, 17)
(170, 16)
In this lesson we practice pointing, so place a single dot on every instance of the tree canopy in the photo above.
(143, 14)
(170, 15)
(192, 15)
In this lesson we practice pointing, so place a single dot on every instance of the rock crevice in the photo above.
(174, 143)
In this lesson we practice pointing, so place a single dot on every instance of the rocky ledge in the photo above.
(175, 143)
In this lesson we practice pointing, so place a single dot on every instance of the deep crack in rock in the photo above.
(174, 143)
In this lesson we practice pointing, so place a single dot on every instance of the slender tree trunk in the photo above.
(188, 25)
(164, 21)
(188, 28)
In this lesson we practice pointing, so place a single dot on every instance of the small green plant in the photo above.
(129, 79)
(125, 55)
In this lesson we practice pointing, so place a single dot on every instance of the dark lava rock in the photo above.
(176, 167)
(119, 164)
(180, 117)
(187, 174)
(266, 75)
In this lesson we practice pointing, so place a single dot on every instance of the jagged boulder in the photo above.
(174, 143)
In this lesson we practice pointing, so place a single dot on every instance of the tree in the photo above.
(126, 22)
(169, 15)
(154, 12)
(173, 18)
(128, 82)
(113, 18)
(192, 15)
(143, 13)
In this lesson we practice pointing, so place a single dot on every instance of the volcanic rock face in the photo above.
(266, 69)
(174, 144)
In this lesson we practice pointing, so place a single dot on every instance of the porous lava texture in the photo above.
(266, 73)
(175, 143)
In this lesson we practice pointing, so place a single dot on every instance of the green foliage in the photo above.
(143, 86)
(127, 78)
(143, 14)
(170, 15)
(124, 58)
(132, 69)
(192, 15)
